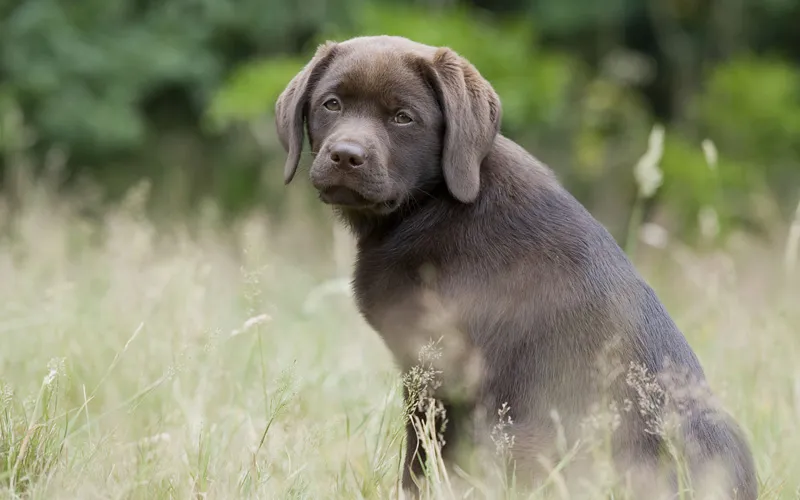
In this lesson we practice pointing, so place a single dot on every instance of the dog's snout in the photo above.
(348, 155)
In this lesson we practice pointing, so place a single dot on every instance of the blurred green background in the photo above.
(105, 93)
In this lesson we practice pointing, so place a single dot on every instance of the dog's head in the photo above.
(388, 118)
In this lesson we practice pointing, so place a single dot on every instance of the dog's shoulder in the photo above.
(524, 203)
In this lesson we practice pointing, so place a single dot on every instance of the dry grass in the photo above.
(138, 364)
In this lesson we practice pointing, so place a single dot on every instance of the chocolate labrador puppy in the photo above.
(463, 236)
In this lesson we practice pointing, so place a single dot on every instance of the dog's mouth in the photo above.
(349, 198)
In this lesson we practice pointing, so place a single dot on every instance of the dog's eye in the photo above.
(402, 118)
(332, 105)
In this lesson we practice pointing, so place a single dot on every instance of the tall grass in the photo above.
(145, 363)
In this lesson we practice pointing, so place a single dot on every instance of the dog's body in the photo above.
(462, 233)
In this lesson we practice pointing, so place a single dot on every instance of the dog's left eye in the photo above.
(402, 118)
(332, 105)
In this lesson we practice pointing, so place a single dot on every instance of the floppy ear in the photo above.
(291, 108)
(472, 113)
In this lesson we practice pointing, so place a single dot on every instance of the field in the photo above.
(188, 362)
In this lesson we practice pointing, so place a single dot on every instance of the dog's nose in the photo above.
(348, 155)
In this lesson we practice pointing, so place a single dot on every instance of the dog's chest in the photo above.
(397, 302)
(382, 288)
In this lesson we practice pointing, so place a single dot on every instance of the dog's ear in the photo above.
(291, 108)
(472, 113)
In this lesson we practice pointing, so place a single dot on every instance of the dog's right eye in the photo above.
(402, 118)
(332, 105)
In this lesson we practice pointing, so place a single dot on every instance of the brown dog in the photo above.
(463, 235)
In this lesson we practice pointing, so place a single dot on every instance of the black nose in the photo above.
(347, 154)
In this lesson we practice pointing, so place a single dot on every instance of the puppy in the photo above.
(465, 237)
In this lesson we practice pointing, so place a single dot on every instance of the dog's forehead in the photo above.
(370, 66)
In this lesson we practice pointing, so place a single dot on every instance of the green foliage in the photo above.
(692, 184)
(252, 90)
(560, 16)
(84, 69)
(752, 106)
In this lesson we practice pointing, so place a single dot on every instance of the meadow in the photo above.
(192, 360)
